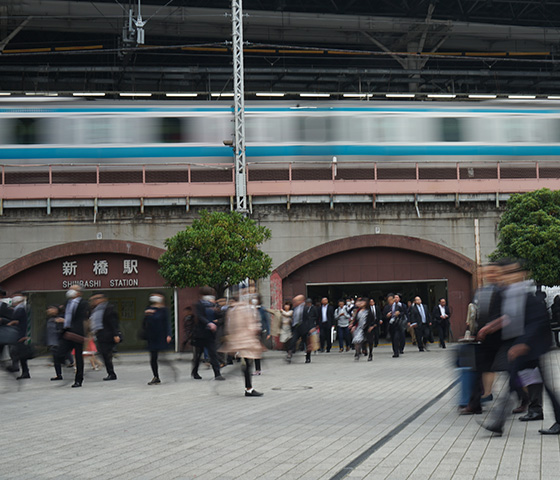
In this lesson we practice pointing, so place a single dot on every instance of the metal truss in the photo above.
(239, 108)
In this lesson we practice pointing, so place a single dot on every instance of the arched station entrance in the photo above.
(125, 271)
(374, 265)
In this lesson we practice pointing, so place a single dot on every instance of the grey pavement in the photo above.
(313, 422)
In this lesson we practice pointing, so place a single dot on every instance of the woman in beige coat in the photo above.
(242, 337)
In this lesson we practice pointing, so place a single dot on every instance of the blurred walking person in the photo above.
(19, 317)
(243, 331)
(76, 313)
(157, 331)
(105, 328)
(205, 332)
(286, 328)
(525, 333)
(303, 322)
(54, 330)
(359, 326)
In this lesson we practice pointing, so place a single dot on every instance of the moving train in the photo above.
(145, 132)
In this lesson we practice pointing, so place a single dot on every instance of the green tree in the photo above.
(219, 249)
(530, 229)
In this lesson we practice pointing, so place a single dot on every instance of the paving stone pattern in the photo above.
(187, 429)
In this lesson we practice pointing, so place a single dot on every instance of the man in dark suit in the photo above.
(207, 317)
(403, 319)
(391, 314)
(420, 320)
(525, 332)
(75, 314)
(19, 319)
(105, 326)
(441, 315)
(325, 322)
(371, 329)
(304, 320)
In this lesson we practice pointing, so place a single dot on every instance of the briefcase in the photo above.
(9, 335)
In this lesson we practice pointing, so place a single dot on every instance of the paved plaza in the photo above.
(334, 418)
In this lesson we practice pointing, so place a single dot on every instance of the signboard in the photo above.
(101, 271)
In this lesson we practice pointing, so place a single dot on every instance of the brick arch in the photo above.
(78, 248)
(365, 241)
(369, 241)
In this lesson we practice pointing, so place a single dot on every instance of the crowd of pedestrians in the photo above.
(512, 333)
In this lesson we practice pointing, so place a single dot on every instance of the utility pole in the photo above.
(239, 108)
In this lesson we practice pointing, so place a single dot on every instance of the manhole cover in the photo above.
(292, 389)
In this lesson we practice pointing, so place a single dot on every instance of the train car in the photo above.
(152, 132)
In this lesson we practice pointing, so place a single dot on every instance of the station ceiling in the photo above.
(334, 46)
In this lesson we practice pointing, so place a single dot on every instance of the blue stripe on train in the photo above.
(52, 153)
(45, 109)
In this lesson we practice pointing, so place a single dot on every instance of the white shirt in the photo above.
(442, 310)
(325, 313)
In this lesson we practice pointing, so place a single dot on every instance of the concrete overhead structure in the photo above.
(366, 46)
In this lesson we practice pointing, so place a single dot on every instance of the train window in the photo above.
(315, 129)
(97, 130)
(516, 130)
(171, 130)
(451, 129)
(390, 129)
(26, 131)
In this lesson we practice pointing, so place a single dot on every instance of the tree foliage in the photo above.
(530, 229)
(219, 249)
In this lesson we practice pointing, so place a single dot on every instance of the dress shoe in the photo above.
(154, 381)
(341, 350)
(307, 360)
(395, 356)
(253, 393)
(58, 377)
(531, 416)
(76, 384)
(370, 358)
(493, 427)
(421, 350)
(196, 376)
(219, 378)
(521, 409)
(23, 376)
(401, 352)
(469, 411)
(110, 377)
(554, 430)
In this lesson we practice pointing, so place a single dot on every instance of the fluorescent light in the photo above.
(130, 94)
(88, 94)
(41, 94)
(553, 97)
(269, 94)
(222, 94)
(441, 95)
(400, 95)
(482, 95)
(5, 94)
(356, 95)
(522, 97)
(181, 94)
(314, 94)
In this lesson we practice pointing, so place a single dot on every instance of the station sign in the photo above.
(92, 271)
